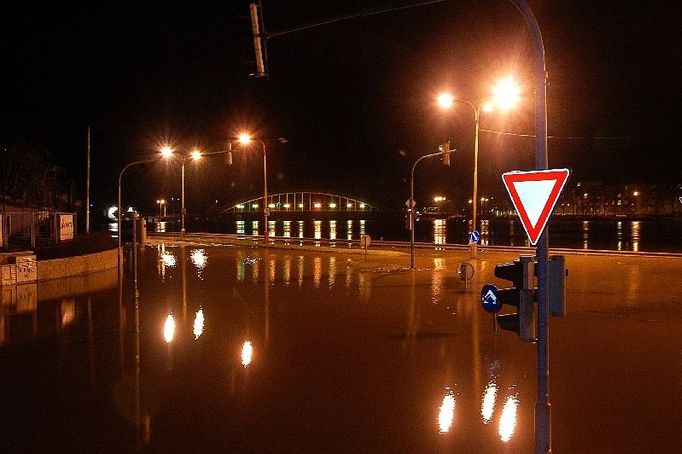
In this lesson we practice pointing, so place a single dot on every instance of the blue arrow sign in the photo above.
(490, 298)
(475, 236)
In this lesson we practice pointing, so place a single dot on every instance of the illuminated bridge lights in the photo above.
(303, 201)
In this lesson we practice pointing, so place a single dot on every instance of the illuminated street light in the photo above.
(166, 151)
(162, 203)
(445, 100)
(246, 139)
(195, 155)
(506, 94)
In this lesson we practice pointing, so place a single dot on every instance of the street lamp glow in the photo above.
(244, 138)
(507, 93)
(332, 205)
(487, 106)
(166, 151)
(196, 154)
(445, 100)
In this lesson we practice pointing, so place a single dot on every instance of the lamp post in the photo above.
(195, 155)
(245, 139)
(120, 178)
(506, 95)
(162, 203)
(411, 201)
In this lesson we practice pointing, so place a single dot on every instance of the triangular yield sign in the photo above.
(534, 194)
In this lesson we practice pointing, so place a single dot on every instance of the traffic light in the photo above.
(445, 150)
(521, 273)
(557, 285)
(258, 41)
(228, 158)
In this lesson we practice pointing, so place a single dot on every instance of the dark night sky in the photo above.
(354, 99)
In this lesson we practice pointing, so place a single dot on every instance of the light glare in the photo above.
(244, 138)
(445, 100)
(166, 151)
(507, 93)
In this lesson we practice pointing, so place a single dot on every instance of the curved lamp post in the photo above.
(120, 178)
(411, 201)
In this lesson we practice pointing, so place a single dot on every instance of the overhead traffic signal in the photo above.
(258, 41)
(444, 148)
(521, 273)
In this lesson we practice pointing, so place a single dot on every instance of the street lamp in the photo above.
(162, 203)
(411, 204)
(166, 152)
(195, 155)
(506, 95)
(245, 139)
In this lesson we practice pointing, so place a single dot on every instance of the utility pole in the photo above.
(87, 188)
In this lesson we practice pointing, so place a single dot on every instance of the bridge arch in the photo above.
(303, 201)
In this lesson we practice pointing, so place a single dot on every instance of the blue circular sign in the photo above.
(475, 236)
(490, 298)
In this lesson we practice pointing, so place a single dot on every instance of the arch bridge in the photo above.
(303, 201)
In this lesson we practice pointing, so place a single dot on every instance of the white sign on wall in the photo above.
(65, 227)
(27, 269)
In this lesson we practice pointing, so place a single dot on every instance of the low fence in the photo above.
(29, 229)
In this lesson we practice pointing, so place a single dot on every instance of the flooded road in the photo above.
(252, 350)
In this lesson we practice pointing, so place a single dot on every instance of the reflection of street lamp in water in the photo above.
(169, 328)
(446, 413)
(247, 353)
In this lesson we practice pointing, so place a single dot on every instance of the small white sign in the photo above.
(66, 227)
(27, 269)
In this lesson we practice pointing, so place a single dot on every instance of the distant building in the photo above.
(590, 198)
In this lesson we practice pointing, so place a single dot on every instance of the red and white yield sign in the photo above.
(534, 194)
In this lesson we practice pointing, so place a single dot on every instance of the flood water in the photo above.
(251, 350)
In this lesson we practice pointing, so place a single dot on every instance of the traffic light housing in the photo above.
(258, 41)
(445, 150)
(521, 273)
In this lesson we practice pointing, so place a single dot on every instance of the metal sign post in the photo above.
(543, 437)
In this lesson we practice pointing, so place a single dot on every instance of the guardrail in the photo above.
(396, 245)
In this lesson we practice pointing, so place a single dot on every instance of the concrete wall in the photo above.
(77, 266)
